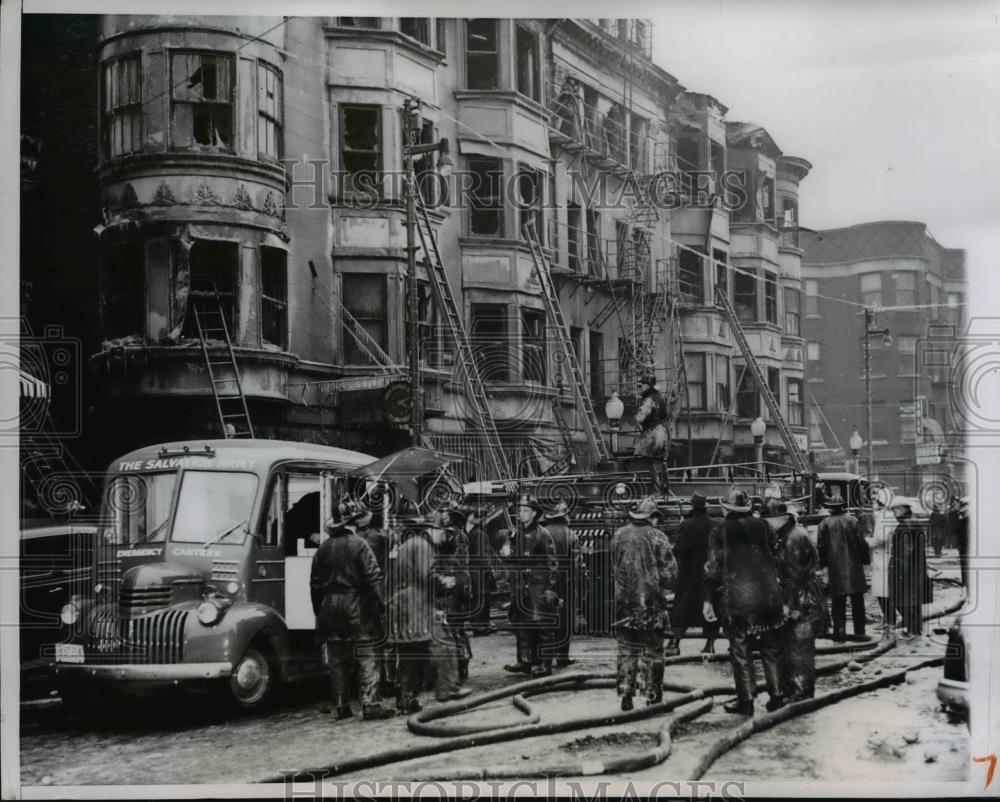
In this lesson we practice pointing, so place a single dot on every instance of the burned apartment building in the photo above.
(244, 173)
(917, 290)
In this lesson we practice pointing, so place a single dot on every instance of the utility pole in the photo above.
(411, 109)
(887, 341)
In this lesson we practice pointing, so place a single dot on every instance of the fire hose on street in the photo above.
(692, 703)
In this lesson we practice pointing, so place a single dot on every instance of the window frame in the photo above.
(278, 305)
(489, 204)
(535, 208)
(382, 339)
(109, 115)
(267, 118)
(522, 33)
(700, 402)
(134, 301)
(219, 56)
(348, 186)
(696, 297)
(770, 297)
(810, 346)
(595, 363)
(796, 406)
(470, 54)
(230, 299)
(810, 287)
(723, 389)
(793, 312)
(870, 297)
(747, 389)
(497, 341)
(426, 23)
(905, 296)
(749, 276)
(534, 341)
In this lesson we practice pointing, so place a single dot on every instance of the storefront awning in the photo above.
(32, 387)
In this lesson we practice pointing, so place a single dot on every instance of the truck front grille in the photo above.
(140, 601)
(152, 639)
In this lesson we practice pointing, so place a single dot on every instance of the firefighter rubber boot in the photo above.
(673, 648)
(654, 693)
(626, 703)
(344, 711)
(378, 712)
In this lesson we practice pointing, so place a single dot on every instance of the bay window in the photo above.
(795, 408)
(482, 54)
(533, 350)
(269, 112)
(793, 315)
(490, 342)
(694, 368)
(745, 295)
(365, 296)
(361, 148)
(770, 298)
(274, 297)
(486, 201)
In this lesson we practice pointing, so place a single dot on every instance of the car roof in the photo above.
(32, 529)
(275, 450)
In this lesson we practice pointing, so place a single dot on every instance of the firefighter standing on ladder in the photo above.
(651, 419)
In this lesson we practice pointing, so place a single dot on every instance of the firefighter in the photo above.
(651, 419)
(347, 598)
(452, 560)
(414, 625)
(691, 552)
(645, 572)
(534, 582)
(483, 560)
(742, 567)
(378, 539)
(569, 559)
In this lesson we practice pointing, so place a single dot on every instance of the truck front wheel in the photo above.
(254, 679)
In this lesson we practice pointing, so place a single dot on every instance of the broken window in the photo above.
(688, 161)
(766, 201)
(529, 190)
(637, 143)
(871, 289)
(795, 408)
(717, 158)
(745, 294)
(361, 148)
(694, 369)
(691, 276)
(123, 288)
(793, 313)
(770, 297)
(122, 105)
(423, 165)
(533, 352)
(573, 226)
(790, 222)
(744, 205)
(774, 385)
(202, 107)
(214, 273)
(528, 82)
(591, 116)
(596, 365)
(428, 345)
(747, 397)
(418, 28)
(365, 297)
(722, 272)
(486, 206)
(274, 297)
(723, 397)
(482, 54)
(490, 344)
(269, 108)
(595, 256)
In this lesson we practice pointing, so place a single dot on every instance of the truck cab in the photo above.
(201, 569)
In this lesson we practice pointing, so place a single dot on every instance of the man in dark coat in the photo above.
(691, 553)
(568, 558)
(452, 560)
(378, 540)
(910, 586)
(415, 626)
(483, 560)
(645, 572)
(804, 600)
(534, 583)
(742, 568)
(939, 529)
(842, 551)
(347, 599)
(958, 526)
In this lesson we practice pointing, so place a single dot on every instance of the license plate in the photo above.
(69, 652)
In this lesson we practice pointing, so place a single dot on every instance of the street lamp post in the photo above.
(411, 115)
(856, 442)
(613, 410)
(758, 428)
(886, 340)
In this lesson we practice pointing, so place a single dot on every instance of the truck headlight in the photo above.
(69, 614)
(208, 613)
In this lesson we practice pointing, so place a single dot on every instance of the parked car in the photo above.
(953, 687)
(55, 561)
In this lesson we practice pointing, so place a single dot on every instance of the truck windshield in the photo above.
(137, 507)
(213, 506)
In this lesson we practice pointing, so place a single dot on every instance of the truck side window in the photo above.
(302, 517)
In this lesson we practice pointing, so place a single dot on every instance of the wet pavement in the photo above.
(893, 734)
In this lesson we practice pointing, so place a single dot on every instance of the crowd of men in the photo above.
(394, 609)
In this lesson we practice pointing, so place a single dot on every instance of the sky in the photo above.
(897, 105)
